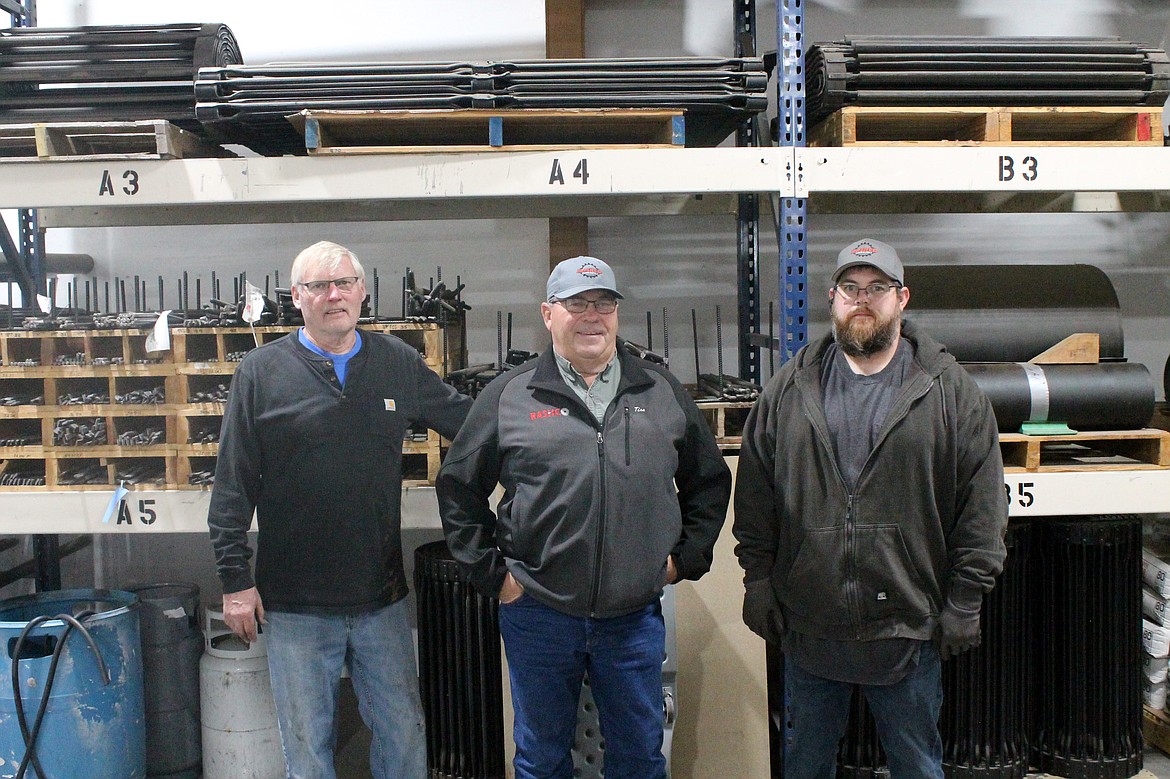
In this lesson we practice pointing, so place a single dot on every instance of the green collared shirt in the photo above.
(598, 395)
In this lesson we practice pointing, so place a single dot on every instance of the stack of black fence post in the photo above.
(985, 691)
(1088, 706)
(459, 670)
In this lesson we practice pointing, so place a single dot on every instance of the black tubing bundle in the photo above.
(984, 719)
(1012, 313)
(1095, 396)
(1088, 709)
(248, 104)
(895, 70)
(459, 670)
(113, 73)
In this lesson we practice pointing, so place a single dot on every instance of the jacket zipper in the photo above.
(596, 592)
(851, 566)
(627, 413)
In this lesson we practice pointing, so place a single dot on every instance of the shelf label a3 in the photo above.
(129, 184)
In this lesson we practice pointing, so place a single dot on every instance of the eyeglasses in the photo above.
(875, 290)
(581, 305)
(343, 284)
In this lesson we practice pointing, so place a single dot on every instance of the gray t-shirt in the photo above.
(856, 408)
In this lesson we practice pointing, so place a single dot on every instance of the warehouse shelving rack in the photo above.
(621, 182)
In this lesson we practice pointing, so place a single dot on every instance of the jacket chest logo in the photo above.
(548, 413)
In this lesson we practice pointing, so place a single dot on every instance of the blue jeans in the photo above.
(548, 655)
(306, 655)
(906, 715)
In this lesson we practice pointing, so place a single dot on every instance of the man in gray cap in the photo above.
(613, 488)
(870, 512)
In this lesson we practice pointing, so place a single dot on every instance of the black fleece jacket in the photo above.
(590, 511)
(924, 524)
(322, 469)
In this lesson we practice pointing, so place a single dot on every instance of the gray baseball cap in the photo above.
(868, 251)
(580, 274)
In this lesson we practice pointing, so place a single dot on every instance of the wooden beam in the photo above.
(1076, 349)
(564, 29)
(564, 38)
(568, 236)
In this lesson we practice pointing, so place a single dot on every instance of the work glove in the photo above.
(958, 631)
(761, 611)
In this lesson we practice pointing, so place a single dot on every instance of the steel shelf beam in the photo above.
(392, 177)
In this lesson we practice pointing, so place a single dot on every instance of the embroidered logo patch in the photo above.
(390, 405)
(546, 413)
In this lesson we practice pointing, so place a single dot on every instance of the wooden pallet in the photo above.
(1156, 728)
(1097, 451)
(153, 139)
(472, 129)
(990, 126)
(726, 420)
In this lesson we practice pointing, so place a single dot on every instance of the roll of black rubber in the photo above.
(1100, 396)
(1012, 313)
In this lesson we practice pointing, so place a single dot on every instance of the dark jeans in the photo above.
(548, 655)
(906, 715)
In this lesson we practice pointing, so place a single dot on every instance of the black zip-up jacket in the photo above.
(590, 511)
(925, 521)
(322, 469)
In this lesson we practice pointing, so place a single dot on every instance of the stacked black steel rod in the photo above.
(893, 70)
(248, 104)
(121, 73)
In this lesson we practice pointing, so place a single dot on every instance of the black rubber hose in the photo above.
(30, 736)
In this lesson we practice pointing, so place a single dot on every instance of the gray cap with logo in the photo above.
(580, 274)
(868, 251)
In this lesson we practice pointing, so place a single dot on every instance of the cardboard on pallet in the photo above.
(990, 126)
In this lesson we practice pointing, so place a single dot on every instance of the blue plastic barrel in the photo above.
(91, 729)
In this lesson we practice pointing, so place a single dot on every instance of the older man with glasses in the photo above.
(613, 488)
(311, 442)
(870, 512)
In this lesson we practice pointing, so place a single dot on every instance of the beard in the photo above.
(865, 336)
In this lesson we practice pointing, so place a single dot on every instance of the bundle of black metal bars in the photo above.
(1088, 709)
(248, 104)
(115, 73)
(893, 70)
(460, 679)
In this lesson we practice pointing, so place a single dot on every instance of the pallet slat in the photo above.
(990, 126)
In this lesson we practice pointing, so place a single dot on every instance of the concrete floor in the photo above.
(1157, 764)
(353, 761)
